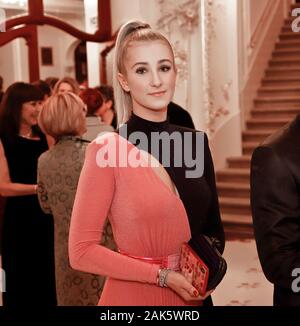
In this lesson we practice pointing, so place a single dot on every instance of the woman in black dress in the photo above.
(27, 240)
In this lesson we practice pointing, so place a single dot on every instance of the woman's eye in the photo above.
(141, 71)
(165, 68)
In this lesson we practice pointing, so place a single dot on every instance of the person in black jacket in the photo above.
(180, 117)
(275, 201)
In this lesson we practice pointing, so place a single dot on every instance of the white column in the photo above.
(225, 122)
(20, 59)
(93, 49)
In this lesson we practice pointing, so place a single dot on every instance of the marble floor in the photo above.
(244, 284)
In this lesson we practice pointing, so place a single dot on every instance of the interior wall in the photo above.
(257, 7)
(14, 56)
(223, 78)
(63, 46)
(7, 65)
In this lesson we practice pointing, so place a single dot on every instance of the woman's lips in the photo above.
(157, 94)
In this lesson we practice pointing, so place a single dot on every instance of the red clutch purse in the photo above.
(190, 261)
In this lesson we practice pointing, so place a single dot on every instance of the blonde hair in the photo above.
(68, 80)
(62, 115)
(132, 31)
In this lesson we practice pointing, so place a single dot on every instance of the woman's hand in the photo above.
(182, 285)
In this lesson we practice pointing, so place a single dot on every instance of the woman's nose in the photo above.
(156, 80)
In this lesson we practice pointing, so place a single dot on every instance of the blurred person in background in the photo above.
(94, 102)
(44, 88)
(63, 117)
(107, 111)
(51, 81)
(66, 84)
(27, 244)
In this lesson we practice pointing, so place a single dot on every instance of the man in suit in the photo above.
(275, 201)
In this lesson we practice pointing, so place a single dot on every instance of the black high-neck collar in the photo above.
(136, 123)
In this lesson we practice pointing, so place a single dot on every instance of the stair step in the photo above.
(231, 189)
(236, 219)
(289, 36)
(282, 72)
(285, 62)
(256, 135)
(281, 98)
(275, 112)
(249, 146)
(240, 162)
(272, 101)
(289, 19)
(295, 5)
(287, 44)
(233, 175)
(267, 123)
(283, 90)
(281, 81)
(287, 27)
(235, 205)
(286, 53)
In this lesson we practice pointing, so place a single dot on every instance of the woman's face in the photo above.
(30, 112)
(150, 76)
(65, 87)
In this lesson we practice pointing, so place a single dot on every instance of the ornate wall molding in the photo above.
(212, 110)
(179, 20)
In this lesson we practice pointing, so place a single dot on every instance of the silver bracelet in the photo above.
(162, 277)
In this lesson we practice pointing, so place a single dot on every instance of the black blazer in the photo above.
(275, 201)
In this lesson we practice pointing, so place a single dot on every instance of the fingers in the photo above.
(195, 296)
(188, 274)
(186, 286)
(207, 294)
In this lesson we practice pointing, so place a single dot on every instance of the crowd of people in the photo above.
(39, 121)
(45, 131)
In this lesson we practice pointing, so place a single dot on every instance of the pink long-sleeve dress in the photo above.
(148, 220)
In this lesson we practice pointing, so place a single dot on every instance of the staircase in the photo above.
(277, 103)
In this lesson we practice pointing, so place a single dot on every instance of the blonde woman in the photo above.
(66, 84)
(153, 209)
(63, 118)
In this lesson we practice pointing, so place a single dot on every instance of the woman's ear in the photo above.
(123, 82)
(109, 104)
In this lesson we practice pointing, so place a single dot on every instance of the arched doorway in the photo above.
(80, 58)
